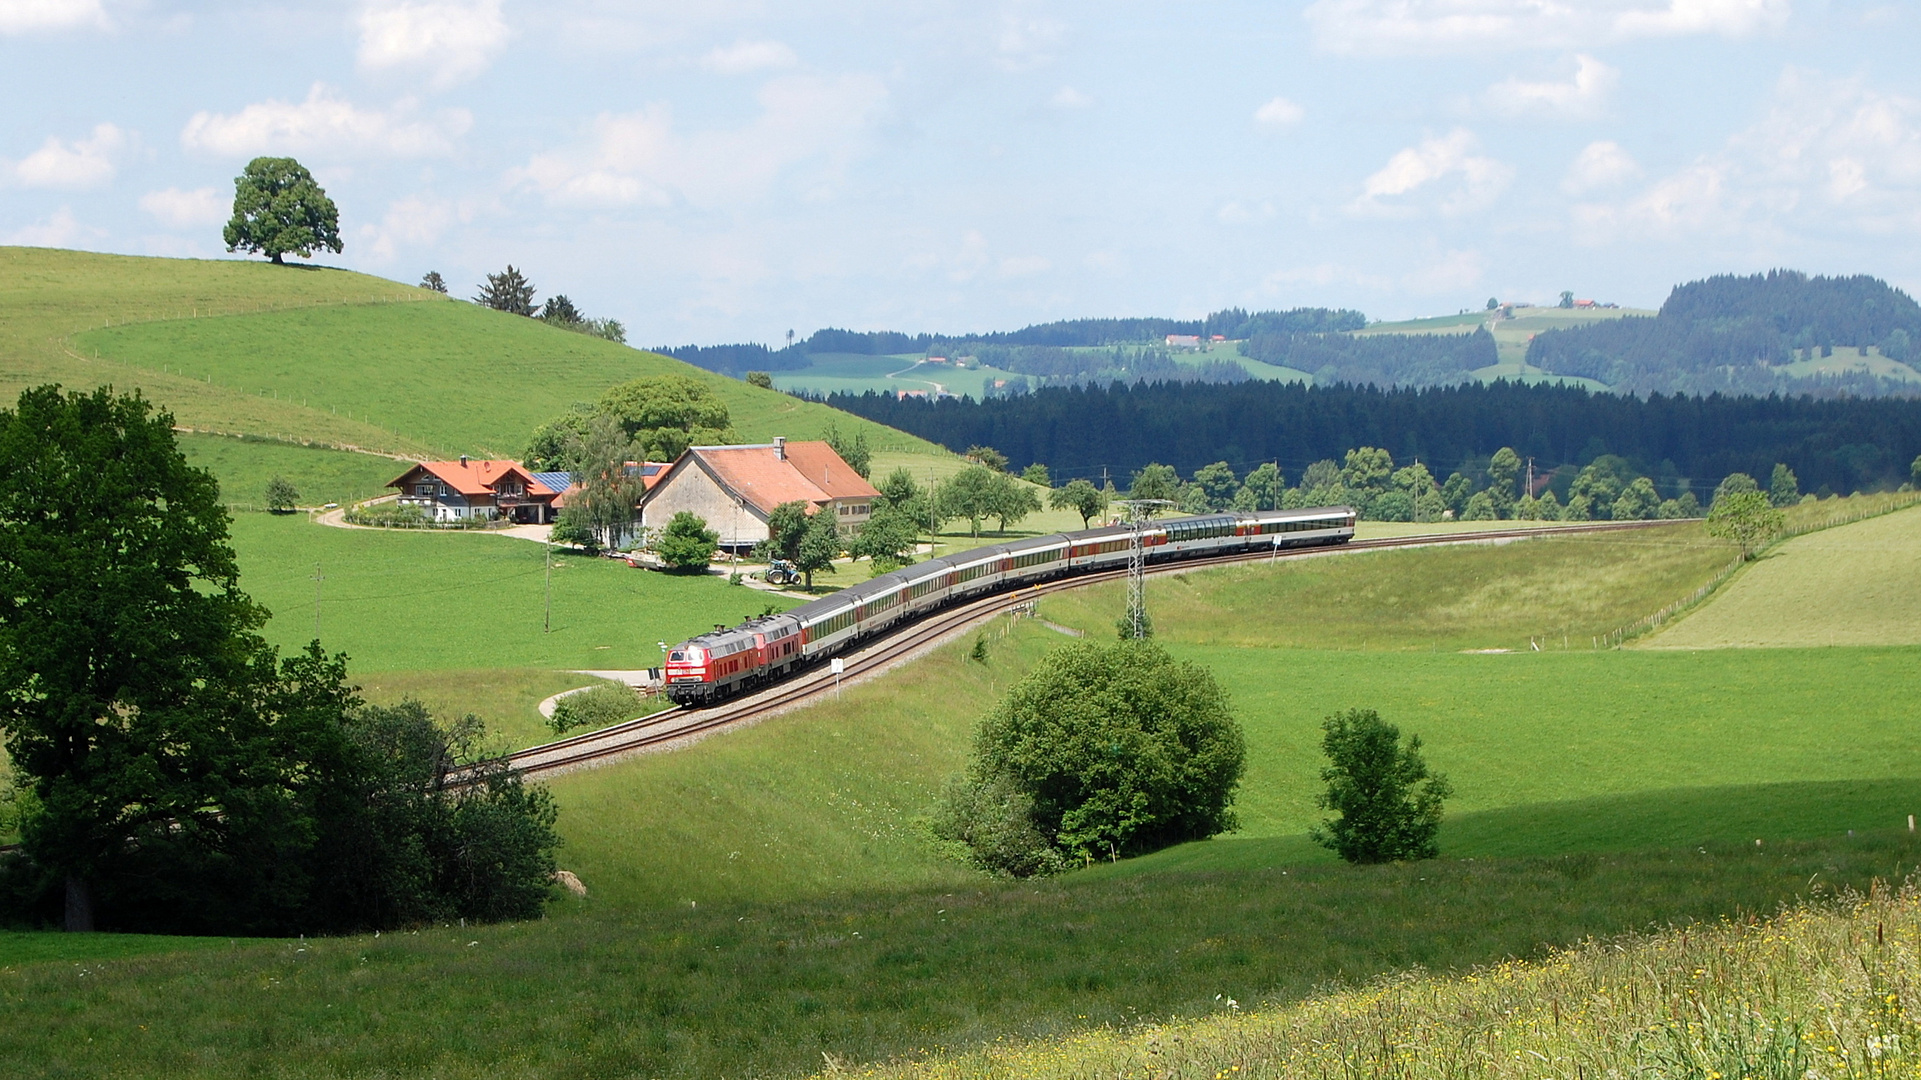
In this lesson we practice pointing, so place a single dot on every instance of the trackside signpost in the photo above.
(836, 666)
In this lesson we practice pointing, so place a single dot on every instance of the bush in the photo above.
(1102, 750)
(761, 379)
(598, 707)
(1390, 805)
(687, 544)
(395, 516)
(281, 496)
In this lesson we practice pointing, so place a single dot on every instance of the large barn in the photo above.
(735, 488)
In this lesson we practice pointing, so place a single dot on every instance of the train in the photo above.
(728, 661)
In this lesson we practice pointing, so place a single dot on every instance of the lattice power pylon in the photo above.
(1138, 511)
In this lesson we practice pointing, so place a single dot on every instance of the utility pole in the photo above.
(547, 619)
(1138, 512)
(318, 578)
(1530, 478)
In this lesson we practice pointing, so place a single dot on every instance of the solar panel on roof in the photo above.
(555, 481)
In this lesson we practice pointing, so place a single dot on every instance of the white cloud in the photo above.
(1451, 272)
(642, 158)
(1584, 95)
(324, 123)
(412, 222)
(61, 230)
(451, 42)
(83, 163)
(1831, 156)
(747, 57)
(1279, 113)
(1026, 41)
(1481, 179)
(1397, 27)
(1069, 98)
(179, 209)
(1599, 165)
(26, 16)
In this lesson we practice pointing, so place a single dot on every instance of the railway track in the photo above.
(903, 643)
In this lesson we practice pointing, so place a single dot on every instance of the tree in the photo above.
(1480, 507)
(888, 537)
(786, 525)
(433, 282)
(1493, 303)
(1747, 518)
(988, 456)
(852, 449)
(508, 291)
(1601, 483)
(281, 495)
(973, 493)
(1731, 484)
(1503, 476)
(1914, 470)
(1217, 485)
(552, 446)
(1783, 488)
(278, 208)
(761, 379)
(1637, 502)
(899, 493)
(1155, 481)
(609, 490)
(819, 546)
(1367, 470)
(1013, 500)
(559, 309)
(1262, 488)
(665, 414)
(1036, 474)
(1388, 802)
(686, 543)
(1102, 750)
(1081, 497)
(1455, 493)
(1567, 300)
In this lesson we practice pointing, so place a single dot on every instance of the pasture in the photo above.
(321, 475)
(1856, 584)
(439, 378)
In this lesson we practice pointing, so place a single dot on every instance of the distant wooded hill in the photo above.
(1779, 331)
(1840, 444)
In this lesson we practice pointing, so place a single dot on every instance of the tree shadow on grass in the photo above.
(1668, 818)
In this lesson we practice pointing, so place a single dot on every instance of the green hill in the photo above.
(331, 356)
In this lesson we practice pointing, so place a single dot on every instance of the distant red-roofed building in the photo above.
(465, 489)
(735, 488)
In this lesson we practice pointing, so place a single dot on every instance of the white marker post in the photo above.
(836, 667)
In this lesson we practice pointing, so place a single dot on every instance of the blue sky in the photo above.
(726, 171)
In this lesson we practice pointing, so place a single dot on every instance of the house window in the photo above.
(424, 491)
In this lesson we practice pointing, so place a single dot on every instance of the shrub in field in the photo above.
(1748, 518)
(281, 496)
(1102, 750)
(596, 708)
(1390, 805)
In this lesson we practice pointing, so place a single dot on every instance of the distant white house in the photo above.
(1191, 341)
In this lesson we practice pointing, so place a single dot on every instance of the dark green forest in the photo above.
(1838, 444)
(1378, 359)
(1727, 334)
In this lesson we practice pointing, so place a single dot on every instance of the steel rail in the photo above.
(900, 642)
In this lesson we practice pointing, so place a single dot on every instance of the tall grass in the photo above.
(1824, 989)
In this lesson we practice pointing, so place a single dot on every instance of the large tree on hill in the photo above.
(279, 208)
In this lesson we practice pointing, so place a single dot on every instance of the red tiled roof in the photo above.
(811, 473)
(471, 477)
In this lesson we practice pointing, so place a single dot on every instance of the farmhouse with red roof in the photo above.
(464, 489)
(735, 488)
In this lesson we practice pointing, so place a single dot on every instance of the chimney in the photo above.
(780, 448)
(463, 461)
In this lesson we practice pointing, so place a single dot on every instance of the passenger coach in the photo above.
(718, 665)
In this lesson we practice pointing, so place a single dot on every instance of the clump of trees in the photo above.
(893, 527)
(279, 209)
(282, 496)
(175, 773)
(807, 539)
(1389, 803)
(1102, 750)
(511, 292)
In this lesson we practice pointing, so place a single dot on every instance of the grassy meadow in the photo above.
(1854, 585)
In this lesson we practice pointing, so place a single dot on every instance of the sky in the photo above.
(713, 171)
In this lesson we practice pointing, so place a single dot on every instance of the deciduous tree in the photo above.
(281, 495)
(278, 208)
(819, 546)
(1262, 488)
(1081, 497)
(1013, 501)
(1217, 485)
(1155, 481)
(433, 282)
(1389, 803)
(973, 493)
(1747, 518)
(1783, 488)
